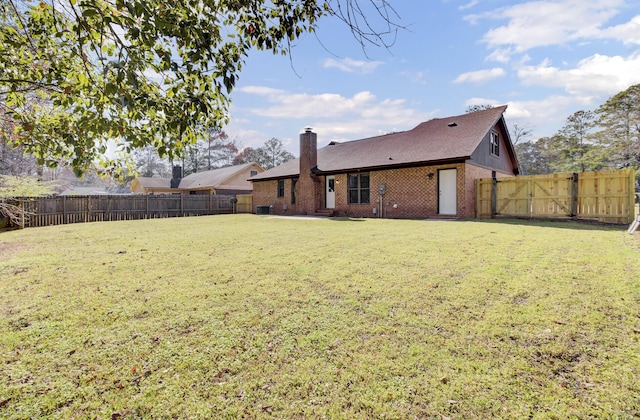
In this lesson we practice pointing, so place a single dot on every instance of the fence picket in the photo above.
(606, 196)
(55, 210)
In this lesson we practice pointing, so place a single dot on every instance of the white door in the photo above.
(330, 195)
(447, 199)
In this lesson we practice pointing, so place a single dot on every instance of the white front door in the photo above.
(330, 183)
(447, 198)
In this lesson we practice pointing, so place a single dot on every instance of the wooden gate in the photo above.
(245, 203)
(606, 196)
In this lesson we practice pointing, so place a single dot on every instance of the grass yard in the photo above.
(247, 316)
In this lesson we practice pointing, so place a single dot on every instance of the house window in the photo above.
(358, 188)
(293, 190)
(495, 144)
(280, 188)
(254, 173)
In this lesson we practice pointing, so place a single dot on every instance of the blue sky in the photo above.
(544, 59)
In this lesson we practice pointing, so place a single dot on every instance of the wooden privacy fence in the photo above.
(46, 211)
(244, 204)
(606, 196)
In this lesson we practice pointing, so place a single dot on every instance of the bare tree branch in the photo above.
(353, 14)
(16, 215)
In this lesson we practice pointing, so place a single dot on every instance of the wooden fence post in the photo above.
(494, 196)
(574, 195)
(632, 195)
(21, 214)
(64, 210)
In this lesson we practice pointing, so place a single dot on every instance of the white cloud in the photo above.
(352, 66)
(628, 33)
(259, 90)
(469, 5)
(303, 106)
(481, 101)
(501, 55)
(334, 116)
(543, 23)
(480, 75)
(596, 76)
(543, 116)
(415, 77)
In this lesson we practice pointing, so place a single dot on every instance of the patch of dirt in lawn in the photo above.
(11, 249)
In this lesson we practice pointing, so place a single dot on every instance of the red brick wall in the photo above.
(410, 193)
(411, 190)
(265, 193)
(308, 193)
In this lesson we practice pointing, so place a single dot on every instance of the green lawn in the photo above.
(248, 316)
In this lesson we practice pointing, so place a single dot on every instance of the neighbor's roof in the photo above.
(212, 178)
(207, 179)
(148, 182)
(439, 139)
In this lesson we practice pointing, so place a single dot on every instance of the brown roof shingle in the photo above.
(212, 178)
(439, 139)
(200, 180)
(148, 182)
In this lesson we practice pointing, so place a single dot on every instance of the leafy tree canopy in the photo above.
(607, 138)
(271, 154)
(476, 108)
(79, 77)
(619, 121)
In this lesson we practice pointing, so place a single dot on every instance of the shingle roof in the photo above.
(206, 179)
(439, 139)
(212, 178)
(149, 182)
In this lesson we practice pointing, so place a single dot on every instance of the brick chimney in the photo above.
(176, 176)
(307, 188)
(308, 151)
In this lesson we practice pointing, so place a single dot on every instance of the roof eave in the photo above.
(510, 146)
(273, 178)
(320, 172)
(459, 159)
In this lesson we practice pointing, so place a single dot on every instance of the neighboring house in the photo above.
(428, 171)
(231, 180)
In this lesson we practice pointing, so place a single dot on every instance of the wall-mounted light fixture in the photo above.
(430, 175)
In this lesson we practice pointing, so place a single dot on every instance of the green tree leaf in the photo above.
(96, 66)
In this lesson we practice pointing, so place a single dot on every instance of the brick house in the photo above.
(429, 171)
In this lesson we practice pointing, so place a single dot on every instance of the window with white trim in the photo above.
(495, 144)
